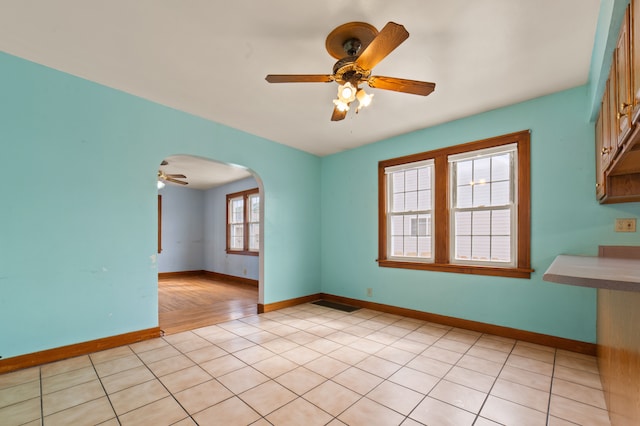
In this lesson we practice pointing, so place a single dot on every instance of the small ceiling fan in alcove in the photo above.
(169, 177)
(359, 47)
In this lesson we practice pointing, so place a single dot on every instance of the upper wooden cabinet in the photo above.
(618, 125)
(634, 26)
(622, 67)
(600, 178)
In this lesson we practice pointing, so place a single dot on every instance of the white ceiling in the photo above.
(202, 173)
(209, 57)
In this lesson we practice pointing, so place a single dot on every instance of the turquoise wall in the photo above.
(565, 218)
(78, 206)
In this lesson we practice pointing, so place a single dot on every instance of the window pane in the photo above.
(398, 202)
(463, 223)
(411, 180)
(409, 225)
(396, 225)
(424, 200)
(424, 178)
(424, 225)
(411, 246)
(236, 239)
(254, 236)
(463, 248)
(398, 182)
(501, 249)
(254, 208)
(481, 194)
(481, 223)
(500, 193)
(464, 172)
(501, 222)
(237, 210)
(411, 201)
(424, 246)
(464, 197)
(397, 246)
(481, 248)
(482, 170)
(500, 167)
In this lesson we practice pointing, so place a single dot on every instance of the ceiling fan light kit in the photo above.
(359, 47)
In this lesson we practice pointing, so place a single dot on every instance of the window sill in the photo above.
(244, 253)
(459, 269)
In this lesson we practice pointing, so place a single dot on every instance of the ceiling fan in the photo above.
(359, 47)
(162, 176)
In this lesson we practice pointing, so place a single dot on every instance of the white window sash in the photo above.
(512, 206)
(391, 214)
(249, 215)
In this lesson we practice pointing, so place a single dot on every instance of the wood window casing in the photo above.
(441, 259)
(245, 196)
(159, 223)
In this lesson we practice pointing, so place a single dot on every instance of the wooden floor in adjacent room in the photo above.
(190, 302)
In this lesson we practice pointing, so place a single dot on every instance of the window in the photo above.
(463, 209)
(410, 199)
(483, 210)
(243, 222)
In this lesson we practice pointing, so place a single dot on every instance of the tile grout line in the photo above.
(41, 396)
(160, 381)
(62, 390)
(104, 389)
(553, 372)
(494, 380)
(439, 378)
(327, 379)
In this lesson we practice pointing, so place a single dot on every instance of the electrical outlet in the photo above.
(625, 225)
(369, 292)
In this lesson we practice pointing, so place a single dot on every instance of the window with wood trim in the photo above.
(409, 211)
(462, 209)
(243, 222)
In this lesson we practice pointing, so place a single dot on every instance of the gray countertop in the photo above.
(597, 272)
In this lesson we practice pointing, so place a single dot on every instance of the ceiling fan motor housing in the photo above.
(346, 70)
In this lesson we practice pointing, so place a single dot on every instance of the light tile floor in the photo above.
(311, 365)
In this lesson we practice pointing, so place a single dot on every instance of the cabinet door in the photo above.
(609, 121)
(634, 41)
(600, 134)
(623, 105)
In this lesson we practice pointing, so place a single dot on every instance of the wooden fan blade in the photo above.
(401, 85)
(338, 115)
(176, 181)
(299, 78)
(176, 176)
(390, 37)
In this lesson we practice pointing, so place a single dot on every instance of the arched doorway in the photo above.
(209, 242)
